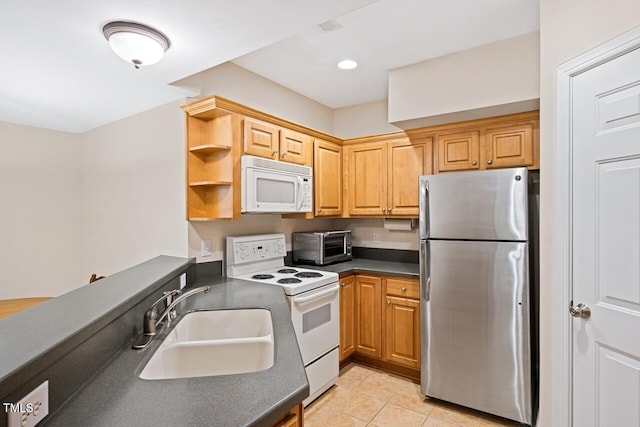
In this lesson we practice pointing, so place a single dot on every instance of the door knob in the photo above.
(580, 310)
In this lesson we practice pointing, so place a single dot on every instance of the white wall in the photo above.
(39, 213)
(362, 120)
(567, 28)
(133, 192)
(467, 85)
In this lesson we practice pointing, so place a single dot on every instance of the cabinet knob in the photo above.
(404, 289)
(284, 154)
(388, 302)
(342, 284)
(389, 210)
(474, 163)
(275, 152)
(319, 209)
(383, 210)
(489, 162)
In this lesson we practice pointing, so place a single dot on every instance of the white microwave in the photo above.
(270, 186)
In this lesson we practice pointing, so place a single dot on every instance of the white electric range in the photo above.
(313, 298)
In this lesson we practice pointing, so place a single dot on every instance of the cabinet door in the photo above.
(402, 331)
(347, 317)
(367, 178)
(327, 179)
(407, 161)
(261, 139)
(369, 315)
(458, 151)
(295, 147)
(509, 146)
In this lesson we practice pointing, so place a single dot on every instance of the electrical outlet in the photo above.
(376, 238)
(206, 248)
(29, 410)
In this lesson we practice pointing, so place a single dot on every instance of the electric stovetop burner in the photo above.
(289, 280)
(262, 276)
(308, 274)
(287, 271)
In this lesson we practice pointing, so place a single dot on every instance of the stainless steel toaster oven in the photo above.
(322, 247)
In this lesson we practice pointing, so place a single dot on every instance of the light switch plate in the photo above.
(29, 410)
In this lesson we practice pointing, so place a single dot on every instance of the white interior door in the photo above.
(606, 243)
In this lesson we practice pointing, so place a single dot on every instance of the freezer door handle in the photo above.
(424, 207)
(425, 269)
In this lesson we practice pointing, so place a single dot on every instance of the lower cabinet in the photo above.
(347, 317)
(385, 314)
(294, 418)
(368, 315)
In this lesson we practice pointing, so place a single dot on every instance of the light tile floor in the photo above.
(365, 396)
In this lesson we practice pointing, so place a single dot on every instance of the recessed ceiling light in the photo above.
(347, 64)
(136, 43)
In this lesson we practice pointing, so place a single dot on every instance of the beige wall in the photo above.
(133, 195)
(40, 212)
(362, 120)
(363, 230)
(498, 78)
(567, 28)
(241, 85)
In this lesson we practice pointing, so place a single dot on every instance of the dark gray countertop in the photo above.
(116, 396)
(361, 265)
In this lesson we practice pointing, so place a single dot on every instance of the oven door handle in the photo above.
(316, 296)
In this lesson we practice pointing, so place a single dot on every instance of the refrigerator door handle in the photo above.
(425, 269)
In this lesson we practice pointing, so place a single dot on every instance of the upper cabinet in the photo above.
(327, 180)
(458, 151)
(510, 146)
(266, 140)
(497, 142)
(382, 175)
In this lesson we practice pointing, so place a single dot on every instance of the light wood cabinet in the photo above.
(458, 151)
(347, 317)
(382, 176)
(294, 418)
(327, 179)
(295, 147)
(367, 178)
(492, 143)
(261, 139)
(266, 140)
(407, 162)
(509, 146)
(368, 315)
(402, 322)
(213, 184)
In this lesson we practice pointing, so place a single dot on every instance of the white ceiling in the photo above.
(57, 70)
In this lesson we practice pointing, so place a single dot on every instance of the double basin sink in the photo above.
(216, 342)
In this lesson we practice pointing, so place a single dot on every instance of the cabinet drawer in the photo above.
(406, 288)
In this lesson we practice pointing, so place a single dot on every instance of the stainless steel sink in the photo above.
(216, 342)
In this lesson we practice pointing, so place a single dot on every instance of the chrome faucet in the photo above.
(152, 320)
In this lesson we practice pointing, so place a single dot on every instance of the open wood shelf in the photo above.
(208, 148)
(209, 183)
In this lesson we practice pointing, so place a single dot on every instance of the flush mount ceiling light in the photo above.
(136, 43)
(347, 64)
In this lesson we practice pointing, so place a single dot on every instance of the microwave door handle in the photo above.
(299, 194)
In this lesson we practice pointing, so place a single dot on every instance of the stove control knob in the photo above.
(243, 255)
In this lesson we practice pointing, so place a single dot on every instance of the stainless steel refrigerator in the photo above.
(475, 290)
